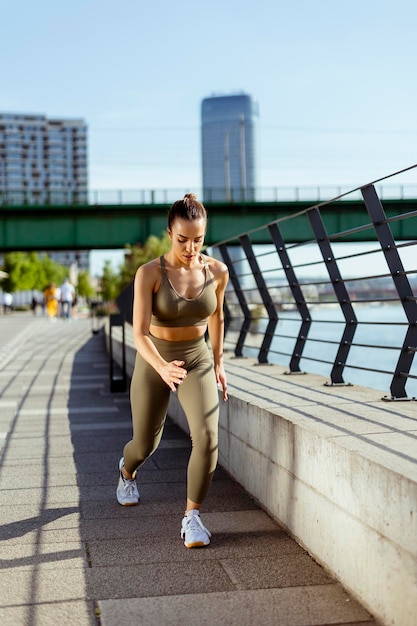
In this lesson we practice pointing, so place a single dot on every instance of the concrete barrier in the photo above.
(336, 466)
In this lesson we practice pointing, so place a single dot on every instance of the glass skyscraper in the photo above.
(229, 127)
(42, 160)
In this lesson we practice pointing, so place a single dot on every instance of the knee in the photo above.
(205, 440)
(136, 452)
(205, 450)
(144, 450)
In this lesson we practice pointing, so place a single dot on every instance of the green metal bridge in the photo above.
(91, 226)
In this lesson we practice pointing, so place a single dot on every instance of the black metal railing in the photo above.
(326, 306)
(323, 306)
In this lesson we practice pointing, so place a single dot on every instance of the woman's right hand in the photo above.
(173, 373)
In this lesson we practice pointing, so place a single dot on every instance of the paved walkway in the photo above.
(70, 555)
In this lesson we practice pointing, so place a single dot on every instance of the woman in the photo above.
(176, 298)
(51, 301)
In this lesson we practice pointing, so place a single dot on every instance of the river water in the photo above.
(383, 327)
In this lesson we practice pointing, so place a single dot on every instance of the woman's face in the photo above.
(187, 238)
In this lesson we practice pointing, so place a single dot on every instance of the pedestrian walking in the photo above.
(177, 297)
(34, 305)
(67, 298)
(51, 301)
(7, 302)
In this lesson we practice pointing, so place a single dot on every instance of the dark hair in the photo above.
(189, 208)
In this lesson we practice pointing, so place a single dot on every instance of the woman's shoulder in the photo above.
(216, 267)
(149, 271)
(150, 266)
(215, 263)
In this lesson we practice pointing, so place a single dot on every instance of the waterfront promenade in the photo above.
(72, 556)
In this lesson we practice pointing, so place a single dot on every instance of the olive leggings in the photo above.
(198, 395)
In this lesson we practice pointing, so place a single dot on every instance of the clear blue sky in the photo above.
(336, 83)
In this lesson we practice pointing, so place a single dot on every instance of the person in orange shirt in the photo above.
(51, 301)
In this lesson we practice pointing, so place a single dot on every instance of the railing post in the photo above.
(124, 302)
(402, 285)
(266, 299)
(117, 383)
(241, 299)
(95, 325)
(342, 295)
(297, 295)
(227, 317)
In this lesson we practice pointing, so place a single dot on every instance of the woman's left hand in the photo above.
(221, 380)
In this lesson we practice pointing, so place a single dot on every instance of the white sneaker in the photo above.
(193, 531)
(127, 491)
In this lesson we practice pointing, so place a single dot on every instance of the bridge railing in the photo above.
(71, 197)
(343, 310)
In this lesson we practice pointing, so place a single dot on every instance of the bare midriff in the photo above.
(182, 333)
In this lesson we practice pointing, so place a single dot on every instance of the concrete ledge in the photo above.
(336, 466)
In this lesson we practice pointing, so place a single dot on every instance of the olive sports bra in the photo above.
(169, 309)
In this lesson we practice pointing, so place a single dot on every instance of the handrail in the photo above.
(304, 304)
(285, 300)
(303, 193)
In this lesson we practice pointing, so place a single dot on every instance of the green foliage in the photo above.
(109, 283)
(50, 272)
(138, 255)
(29, 271)
(84, 287)
(17, 265)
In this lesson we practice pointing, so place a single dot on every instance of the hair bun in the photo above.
(189, 208)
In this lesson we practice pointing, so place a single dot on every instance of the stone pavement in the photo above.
(71, 555)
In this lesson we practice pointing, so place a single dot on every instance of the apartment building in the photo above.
(42, 160)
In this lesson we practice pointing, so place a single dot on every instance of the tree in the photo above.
(153, 248)
(50, 272)
(109, 283)
(28, 271)
(84, 287)
(20, 272)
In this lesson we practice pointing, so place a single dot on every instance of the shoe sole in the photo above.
(128, 503)
(197, 544)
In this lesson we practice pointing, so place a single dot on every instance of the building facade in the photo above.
(229, 142)
(42, 160)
